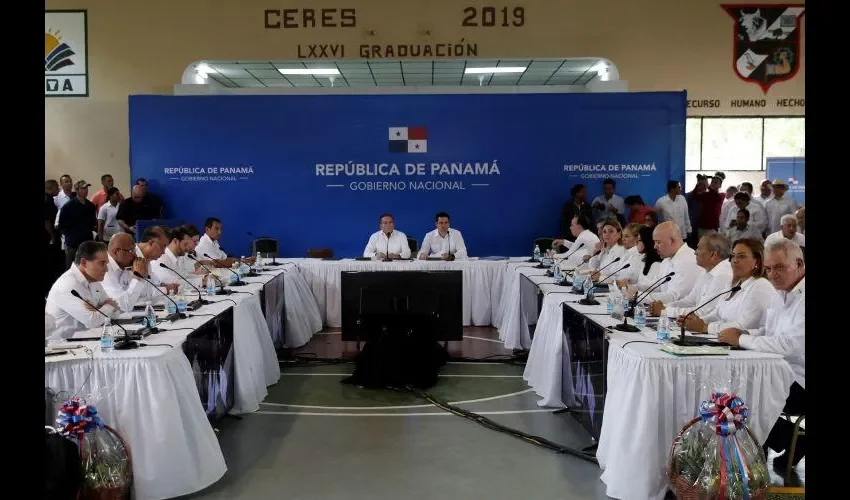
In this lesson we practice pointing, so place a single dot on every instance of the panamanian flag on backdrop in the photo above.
(408, 140)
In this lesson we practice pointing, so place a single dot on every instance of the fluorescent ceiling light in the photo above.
(309, 71)
(495, 69)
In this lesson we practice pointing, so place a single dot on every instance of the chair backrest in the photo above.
(266, 246)
(320, 253)
(544, 243)
(414, 246)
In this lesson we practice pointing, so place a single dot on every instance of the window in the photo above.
(693, 143)
(784, 137)
(732, 144)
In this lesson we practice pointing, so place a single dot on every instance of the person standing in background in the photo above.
(695, 207)
(77, 221)
(673, 207)
(608, 205)
(102, 196)
(575, 206)
(711, 203)
(107, 221)
(778, 206)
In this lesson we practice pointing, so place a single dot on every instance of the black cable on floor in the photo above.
(486, 422)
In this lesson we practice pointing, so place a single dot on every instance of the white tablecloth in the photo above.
(303, 317)
(482, 280)
(634, 446)
(150, 397)
(519, 303)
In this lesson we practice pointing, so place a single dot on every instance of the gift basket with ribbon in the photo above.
(716, 456)
(107, 466)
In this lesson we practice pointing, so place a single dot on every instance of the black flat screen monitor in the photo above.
(422, 302)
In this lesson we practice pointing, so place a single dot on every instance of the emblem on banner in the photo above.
(767, 42)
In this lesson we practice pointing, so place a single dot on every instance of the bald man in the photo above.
(120, 282)
(136, 208)
(679, 259)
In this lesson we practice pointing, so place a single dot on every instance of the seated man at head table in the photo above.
(180, 243)
(678, 259)
(387, 242)
(712, 255)
(120, 282)
(85, 276)
(784, 333)
(575, 251)
(208, 245)
(443, 243)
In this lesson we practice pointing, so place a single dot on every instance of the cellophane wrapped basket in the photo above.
(107, 466)
(716, 456)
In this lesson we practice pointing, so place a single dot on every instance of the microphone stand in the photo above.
(126, 343)
(238, 281)
(639, 298)
(590, 301)
(195, 304)
(570, 254)
(221, 290)
(682, 341)
(173, 316)
(603, 267)
(625, 326)
(387, 255)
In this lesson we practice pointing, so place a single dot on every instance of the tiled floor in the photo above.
(315, 438)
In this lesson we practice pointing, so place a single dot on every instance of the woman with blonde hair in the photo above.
(609, 249)
(745, 309)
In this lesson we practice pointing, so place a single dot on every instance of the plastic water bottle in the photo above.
(663, 330)
(536, 253)
(258, 262)
(150, 316)
(243, 267)
(210, 285)
(170, 307)
(617, 310)
(181, 303)
(640, 316)
(610, 303)
(587, 286)
(556, 273)
(107, 338)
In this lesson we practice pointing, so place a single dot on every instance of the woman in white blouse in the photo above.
(745, 309)
(610, 248)
(631, 237)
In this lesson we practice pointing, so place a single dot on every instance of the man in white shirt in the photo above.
(584, 244)
(766, 192)
(107, 221)
(673, 207)
(801, 220)
(180, 243)
(387, 243)
(608, 205)
(85, 276)
(443, 243)
(784, 333)
(742, 227)
(120, 282)
(788, 231)
(208, 245)
(66, 194)
(780, 205)
(712, 254)
(758, 216)
(679, 259)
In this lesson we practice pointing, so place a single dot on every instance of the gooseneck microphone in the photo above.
(195, 303)
(660, 281)
(121, 345)
(681, 340)
(221, 290)
(590, 301)
(173, 316)
(238, 281)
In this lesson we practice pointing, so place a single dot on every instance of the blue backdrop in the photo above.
(317, 171)
(793, 171)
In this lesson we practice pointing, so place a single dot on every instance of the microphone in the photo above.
(449, 238)
(565, 257)
(681, 340)
(652, 287)
(221, 290)
(590, 301)
(603, 267)
(121, 345)
(387, 255)
(238, 281)
(173, 316)
(195, 304)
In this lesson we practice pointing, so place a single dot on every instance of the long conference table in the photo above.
(162, 398)
(632, 397)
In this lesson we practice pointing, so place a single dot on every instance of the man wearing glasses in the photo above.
(120, 282)
(784, 333)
